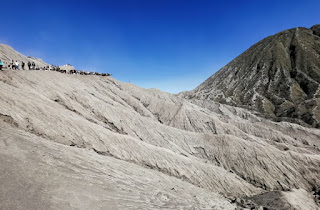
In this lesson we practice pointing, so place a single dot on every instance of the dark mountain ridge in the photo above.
(278, 77)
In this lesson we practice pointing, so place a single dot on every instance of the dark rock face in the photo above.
(278, 77)
(316, 29)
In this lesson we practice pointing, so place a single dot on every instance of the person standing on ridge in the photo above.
(29, 64)
(13, 65)
(1, 64)
(22, 65)
(17, 65)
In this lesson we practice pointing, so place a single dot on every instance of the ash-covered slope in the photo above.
(279, 77)
(75, 141)
(7, 54)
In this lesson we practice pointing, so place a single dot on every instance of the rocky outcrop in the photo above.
(67, 67)
(100, 143)
(278, 77)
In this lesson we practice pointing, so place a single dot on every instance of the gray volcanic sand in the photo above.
(92, 142)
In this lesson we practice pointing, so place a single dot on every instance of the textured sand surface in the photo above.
(91, 142)
(38, 174)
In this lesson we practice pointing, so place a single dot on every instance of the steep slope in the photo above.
(40, 174)
(278, 77)
(7, 54)
(199, 147)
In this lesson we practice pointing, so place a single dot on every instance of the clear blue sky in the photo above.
(172, 45)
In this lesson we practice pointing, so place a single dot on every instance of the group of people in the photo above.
(15, 65)
(80, 72)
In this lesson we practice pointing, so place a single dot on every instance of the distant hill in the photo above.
(278, 77)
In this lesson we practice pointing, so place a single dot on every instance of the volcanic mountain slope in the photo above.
(279, 77)
(90, 142)
(7, 54)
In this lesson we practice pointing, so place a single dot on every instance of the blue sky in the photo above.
(172, 45)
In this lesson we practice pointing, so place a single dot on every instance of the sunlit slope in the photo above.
(107, 129)
(278, 77)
